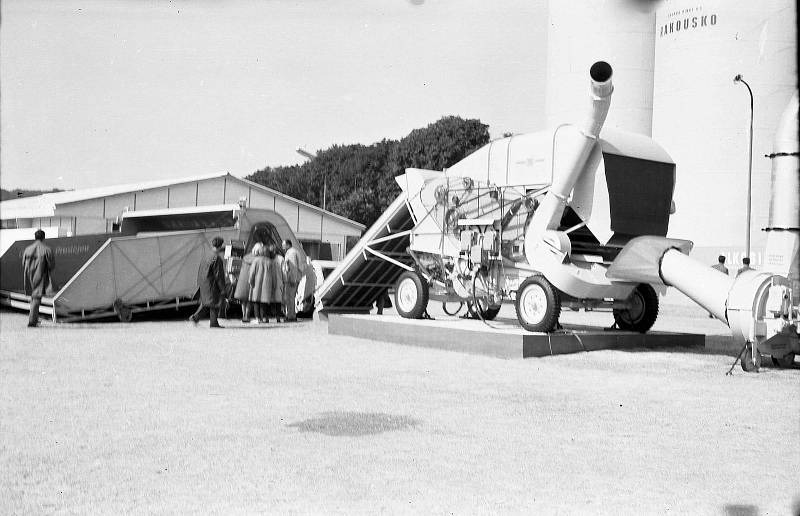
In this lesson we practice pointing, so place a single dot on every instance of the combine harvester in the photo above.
(559, 218)
(150, 265)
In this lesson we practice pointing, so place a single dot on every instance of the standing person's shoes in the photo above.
(33, 324)
(215, 326)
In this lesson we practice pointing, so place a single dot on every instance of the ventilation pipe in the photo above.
(783, 239)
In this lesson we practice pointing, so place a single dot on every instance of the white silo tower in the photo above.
(702, 117)
(620, 32)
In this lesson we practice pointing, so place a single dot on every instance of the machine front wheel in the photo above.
(411, 295)
(643, 312)
(538, 304)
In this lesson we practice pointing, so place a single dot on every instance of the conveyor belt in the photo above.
(373, 265)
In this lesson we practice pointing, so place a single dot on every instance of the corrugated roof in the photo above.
(42, 206)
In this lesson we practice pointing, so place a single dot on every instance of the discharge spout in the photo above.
(570, 155)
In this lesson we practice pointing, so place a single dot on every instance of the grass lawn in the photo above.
(163, 417)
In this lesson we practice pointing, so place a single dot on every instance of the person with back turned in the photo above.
(38, 262)
(293, 269)
(720, 265)
(745, 265)
(211, 280)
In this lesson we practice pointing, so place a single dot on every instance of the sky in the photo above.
(105, 92)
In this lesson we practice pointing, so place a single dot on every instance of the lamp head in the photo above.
(738, 78)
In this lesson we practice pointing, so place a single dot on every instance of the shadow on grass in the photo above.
(354, 424)
(741, 510)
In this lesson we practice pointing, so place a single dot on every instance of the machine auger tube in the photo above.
(574, 149)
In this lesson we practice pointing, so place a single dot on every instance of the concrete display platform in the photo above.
(504, 339)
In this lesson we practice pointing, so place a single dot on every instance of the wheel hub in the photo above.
(534, 304)
(407, 295)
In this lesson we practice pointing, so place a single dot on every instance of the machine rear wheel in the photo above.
(538, 304)
(411, 295)
(643, 311)
(785, 362)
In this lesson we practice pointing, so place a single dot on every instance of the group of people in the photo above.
(720, 265)
(266, 286)
(268, 282)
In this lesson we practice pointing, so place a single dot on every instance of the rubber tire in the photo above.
(420, 303)
(784, 362)
(124, 314)
(553, 300)
(748, 365)
(648, 297)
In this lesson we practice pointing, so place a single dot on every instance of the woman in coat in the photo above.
(260, 280)
(277, 281)
(242, 292)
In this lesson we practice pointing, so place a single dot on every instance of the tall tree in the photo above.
(360, 178)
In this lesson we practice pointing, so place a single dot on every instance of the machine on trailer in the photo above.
(151, 264)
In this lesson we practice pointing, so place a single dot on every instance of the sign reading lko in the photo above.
(688, 23)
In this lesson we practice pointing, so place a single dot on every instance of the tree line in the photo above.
(360, 178)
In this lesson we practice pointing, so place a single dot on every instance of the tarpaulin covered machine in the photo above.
(151, 264)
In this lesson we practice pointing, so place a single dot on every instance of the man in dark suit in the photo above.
(211, 280)
(38, 262)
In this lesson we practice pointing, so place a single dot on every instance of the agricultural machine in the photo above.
(574, 217)
(539, 220)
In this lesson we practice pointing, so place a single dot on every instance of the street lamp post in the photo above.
(310, 155)
(736, 79)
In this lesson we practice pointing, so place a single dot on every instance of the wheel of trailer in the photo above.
(481, 305)
(785, 361)
(749, 363)
(642, 313)
(411, 295)
(124, 313)
(538, 304)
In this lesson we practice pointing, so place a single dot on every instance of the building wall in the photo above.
(581, 32)
(702, 117)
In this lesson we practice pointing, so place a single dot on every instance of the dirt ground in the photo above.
(163, 417)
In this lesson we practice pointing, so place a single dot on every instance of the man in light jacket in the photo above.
(38, 262)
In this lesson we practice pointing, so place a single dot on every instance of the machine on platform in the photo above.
(571, 217)
(538, 219)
